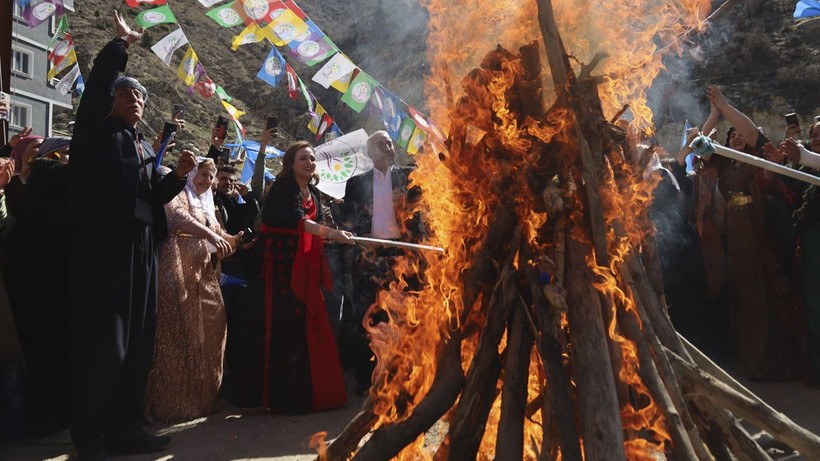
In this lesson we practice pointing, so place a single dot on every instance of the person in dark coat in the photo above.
(373, 206)
(116, 215)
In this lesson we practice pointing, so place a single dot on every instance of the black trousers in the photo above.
(113, 326)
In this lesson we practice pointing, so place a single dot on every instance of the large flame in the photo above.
(459, 193)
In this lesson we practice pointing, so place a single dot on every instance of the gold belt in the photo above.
(738, 200)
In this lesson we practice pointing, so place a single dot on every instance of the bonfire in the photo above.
(543, 332)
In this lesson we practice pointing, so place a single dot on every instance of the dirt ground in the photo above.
(253, 434)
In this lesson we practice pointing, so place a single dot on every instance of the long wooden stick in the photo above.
(394, 243)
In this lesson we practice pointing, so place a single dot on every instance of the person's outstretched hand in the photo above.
(186, 163)
(790, 149)
(124, 31)
(22, 134)
(716, 97)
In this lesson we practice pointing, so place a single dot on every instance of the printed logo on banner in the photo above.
(341, 167)
(405, 134)
(308, 48)
(188, 66)
(276, 13)
(154, 17)
(229, 16)
(43, 11)
(256, 9)
(303, 35)
(273, 66)
(332, 72)
(171, 44)
(62, 48)
(392, 114)
(250, 37)
(361, 92)
(285, 31)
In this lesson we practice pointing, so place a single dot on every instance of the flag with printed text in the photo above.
(154, 16)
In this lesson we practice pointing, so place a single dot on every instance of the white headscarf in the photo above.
(205, 201)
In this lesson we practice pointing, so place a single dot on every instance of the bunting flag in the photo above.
(391, 112)
(251, 34)
(806, 9)
(293, 90)
(136, 3)
(202, 83)
(61, 50)
(80, 88)
(288, 26)
(294, 8)
(406, 132)
(222, 94)
(313, 50)
(225, 15)
(70, 59)
(154, 16)
(416, 143)
(334, 70)
(419, 118)
(35, 13)
(187, 67)
(360, 90)
(257, 11)
(62, 30)
(316, 118)
(166, 47)
(273, 69)
(65, 83)
(209, 3)
(232, 111)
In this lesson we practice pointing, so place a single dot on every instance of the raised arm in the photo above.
(97, 98)
(258, 178)
(742, 123)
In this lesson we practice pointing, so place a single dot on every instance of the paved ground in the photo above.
(253, 434)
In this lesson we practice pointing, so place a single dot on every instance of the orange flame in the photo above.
(489, 144)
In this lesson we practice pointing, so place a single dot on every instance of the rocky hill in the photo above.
(765, 64)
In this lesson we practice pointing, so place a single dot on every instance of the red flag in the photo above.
(293, 82)
(291, 5)
(136, 3)
(324, 125)
(61, 50)
(419, 118)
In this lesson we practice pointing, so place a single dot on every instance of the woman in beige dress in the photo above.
(190, 344)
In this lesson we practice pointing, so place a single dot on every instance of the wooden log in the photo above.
(697, 382)
(510, 437)
(470, 415)
(530, 85)
(597, 402)
(348, 441)
(389, 440)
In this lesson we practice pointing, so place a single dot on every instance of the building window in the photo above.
(21, 62)
(18, 11)
(20, 115)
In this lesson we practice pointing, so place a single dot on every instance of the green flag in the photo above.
(359, 91)
(222, 94)
(225, 15)
(62, 29)
(154, 16)
(408, 127)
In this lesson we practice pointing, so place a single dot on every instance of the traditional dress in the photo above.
(302, 372)
(190, 344)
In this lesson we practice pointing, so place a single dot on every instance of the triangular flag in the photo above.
(686, 128)
(36, 13)
(232, 111)
(64, 85)
(406, 132)
(360, 90)
(165, 48)
(222, 94)
(338, 67)
(251, 34)
(62, 29)
(316, 118)
(391, 112)
(187, 67)
(202, 83)
(258, 10)
(136, 3)
(63, 65)
(288, 27)
(273, 69)
(154, 16)
(209, 3)
(416, 143)
(225, 15)
(324, 125)
(313, 48)
(293, 86)
(62, 49)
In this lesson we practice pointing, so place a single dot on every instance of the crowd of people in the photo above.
(137, 324)
(114, 310)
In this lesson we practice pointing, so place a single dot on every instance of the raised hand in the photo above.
(186, 163)
(6, 171)
(22, 134)
(124, 31)
(790, 149)
(216, 137)
(716, 97)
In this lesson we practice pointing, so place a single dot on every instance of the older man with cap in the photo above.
(117, 219)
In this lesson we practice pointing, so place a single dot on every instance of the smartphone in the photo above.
(271, 122)
(791, 120)
(222, 125)
(224, 155)
(167, 129)
(178, 111)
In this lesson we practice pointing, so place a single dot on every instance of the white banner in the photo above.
(338, 67)
(165, 48)
(339, 160)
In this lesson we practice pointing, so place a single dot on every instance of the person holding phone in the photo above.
(117, 218)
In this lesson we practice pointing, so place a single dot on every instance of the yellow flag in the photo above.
(267, 31)
(313, 123)
(67, 62)
(288, 27)
(187, 67)
(343, 83)
(416, 141)
(232, 111)
(252, 34)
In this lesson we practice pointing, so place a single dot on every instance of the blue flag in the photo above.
(806, 9)
(392, 113)
(686, 128)
(80, 87)
(251, 151)
(273, 69)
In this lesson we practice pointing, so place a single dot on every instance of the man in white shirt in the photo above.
(374, 205)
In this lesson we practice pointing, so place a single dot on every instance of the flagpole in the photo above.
(394, 243)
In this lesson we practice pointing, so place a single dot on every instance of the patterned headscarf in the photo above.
(52, 145)
(19, 149)
(130, 82)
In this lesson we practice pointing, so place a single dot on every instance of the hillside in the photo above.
(765, 65)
